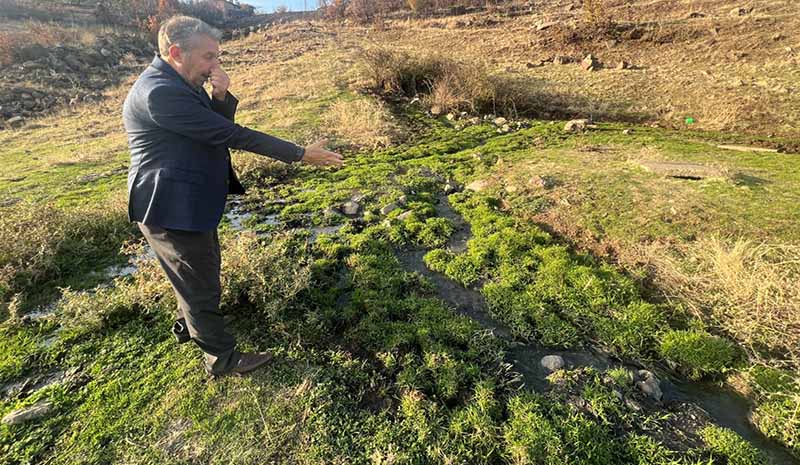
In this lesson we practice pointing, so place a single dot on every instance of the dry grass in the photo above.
(363, 122)
(746, 289)
(46, 34)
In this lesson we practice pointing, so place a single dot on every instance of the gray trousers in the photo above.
(191, 261)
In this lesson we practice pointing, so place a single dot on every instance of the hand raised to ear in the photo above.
(317, 155)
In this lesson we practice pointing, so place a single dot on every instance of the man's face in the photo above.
(197, 62)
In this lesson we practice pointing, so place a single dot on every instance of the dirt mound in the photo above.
(47, 77)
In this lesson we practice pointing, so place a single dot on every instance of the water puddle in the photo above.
(724, 407)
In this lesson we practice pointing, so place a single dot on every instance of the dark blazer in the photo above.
(180, 172)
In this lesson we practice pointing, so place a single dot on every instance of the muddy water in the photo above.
(723, 406)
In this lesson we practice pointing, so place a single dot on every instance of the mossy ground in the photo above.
(370, 366)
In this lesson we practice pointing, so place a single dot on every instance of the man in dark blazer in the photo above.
(181, 173)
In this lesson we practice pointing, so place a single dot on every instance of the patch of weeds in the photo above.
(729, 446)
(698, 353)
(529, 435)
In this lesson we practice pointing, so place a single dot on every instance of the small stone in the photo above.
(562, 60)
(506, 128)
(627, 132)
(403, 200)
(648, 383)
(389, 208)
(552, 363)
(500, 121)
(477, 186)
(475, 120)
(451, 116)
(543, 182)
(23, 415)
(405, 215)
(450, 187)
(739, 11)
(623, 65)
(15, 120)
(543, 26)
(436, 110)
(576, 125)
(351, 208)
(590, 63)
(105, 52)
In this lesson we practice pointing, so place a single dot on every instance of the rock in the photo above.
(405, 215)
(576, 125)
(477, 186)
(451, 116)
(500, 121)
(23, 415)
(506, 128)
(403, 200)
(590, 63)
(684, 170)
(627, 132)
(623, 65)
(105, 52)
(450, 187)
(739, 11)
(562, 60)
(351, 208)
(543, 182)
(552, 363)
(389, 208)
(649, 384)
(547, 25)
(15, 120)
(436, 110)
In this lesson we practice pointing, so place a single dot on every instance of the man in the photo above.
(181, 173)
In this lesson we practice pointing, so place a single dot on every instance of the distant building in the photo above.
(232, 8)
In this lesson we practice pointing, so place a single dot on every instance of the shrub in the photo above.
(697, 352)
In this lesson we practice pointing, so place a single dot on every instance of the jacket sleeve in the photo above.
(177, 110)
(226, 108)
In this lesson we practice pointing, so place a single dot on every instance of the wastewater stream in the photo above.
(723, 406)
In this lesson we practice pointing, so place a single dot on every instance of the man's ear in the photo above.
(175, 53)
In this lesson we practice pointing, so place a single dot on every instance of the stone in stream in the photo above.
(24, 415)
(552, 363)
(648, 383)
(389, 208)
(406, 214)
(351, 208)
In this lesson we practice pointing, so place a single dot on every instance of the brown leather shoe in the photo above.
(249, 361)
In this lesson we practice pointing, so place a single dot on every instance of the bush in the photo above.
(448, 84)
(697, 353)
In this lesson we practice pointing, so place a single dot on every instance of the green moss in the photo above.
(698, 353)
(728, 445)
(778, 419)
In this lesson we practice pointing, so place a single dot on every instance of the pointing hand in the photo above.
(317, 155)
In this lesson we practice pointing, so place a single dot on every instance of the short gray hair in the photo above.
(179, 30)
